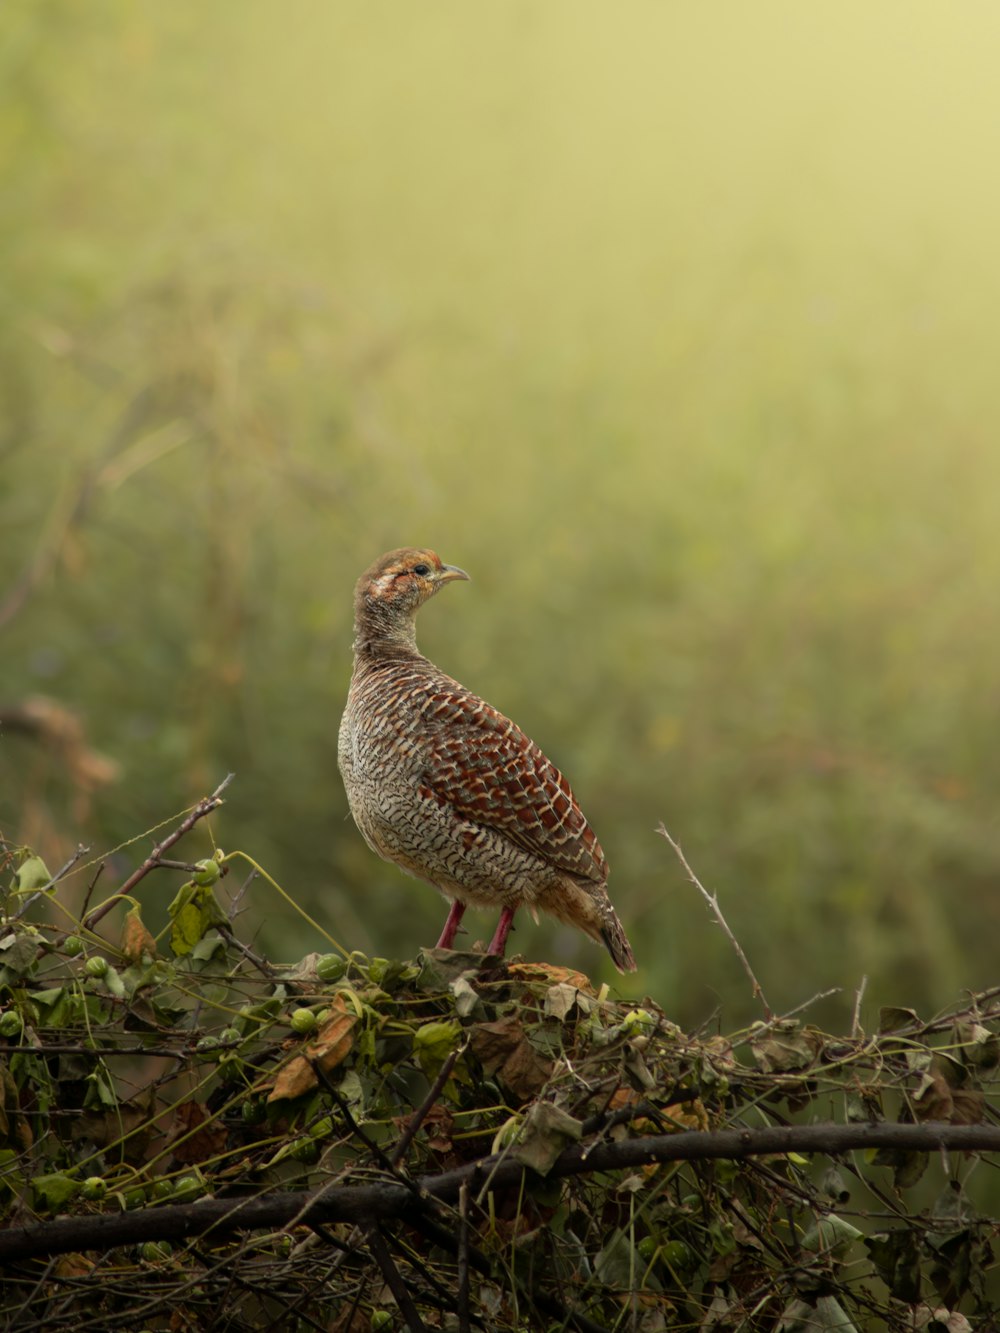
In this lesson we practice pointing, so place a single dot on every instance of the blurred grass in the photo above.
(676, 327)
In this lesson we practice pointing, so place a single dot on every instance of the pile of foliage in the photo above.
(192, 1137)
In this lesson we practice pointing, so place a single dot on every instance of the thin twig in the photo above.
(261, 964)
(713, 903)
(814, 999)
(90, 889)
(395, 1283)
(232, 911)
(418, 1116)
(464, 1325)
(199, 811)
(856, 1028)
(799, 1008)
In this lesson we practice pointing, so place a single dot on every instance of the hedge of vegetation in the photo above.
(194, 1137)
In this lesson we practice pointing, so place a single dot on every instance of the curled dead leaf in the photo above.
(330, 1048)
(552, 976)
(137, 942)
(503, 1049)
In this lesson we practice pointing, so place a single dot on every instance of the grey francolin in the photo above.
(451, 790)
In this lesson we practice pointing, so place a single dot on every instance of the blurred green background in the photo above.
(676, 325)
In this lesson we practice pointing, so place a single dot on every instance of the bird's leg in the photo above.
(451, 925)
(499, 941)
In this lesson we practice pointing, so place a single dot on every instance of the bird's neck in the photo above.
(385, 638)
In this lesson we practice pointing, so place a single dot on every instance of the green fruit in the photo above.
(161, 1189)
(188, 1187)
(306, 1150)
(638, 1022)
(675, 1254)
(209, 1043)
(206, 873)
(96, 966)
(154, 1251)
(331, 967)
(380, 1319)
(72, 946)
(229, 1035)
(11, 1024)
(322, 1129)
(94, 1187)
(253, 1111)
(647, 1248)
(303, 1021)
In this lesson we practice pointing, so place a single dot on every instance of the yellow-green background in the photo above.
(675, 324)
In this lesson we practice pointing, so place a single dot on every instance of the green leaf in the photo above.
(99, 1091)
(192, 914)
(831, 1235)
(58, 1004)
(434, 1042)
(208, 946)
(53, 1192)
(18, 951)
(32, 874)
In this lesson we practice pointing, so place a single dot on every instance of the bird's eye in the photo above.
(422, 570)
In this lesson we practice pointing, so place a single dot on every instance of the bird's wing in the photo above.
(481, 765)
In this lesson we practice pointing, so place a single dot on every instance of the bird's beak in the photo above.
(448, 573)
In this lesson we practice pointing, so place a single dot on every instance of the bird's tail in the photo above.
(616, 942)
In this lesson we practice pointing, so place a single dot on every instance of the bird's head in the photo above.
(390, 592)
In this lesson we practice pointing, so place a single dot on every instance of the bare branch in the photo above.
(409, 1200)
(395, 1283)
(199, 811)
(856, 1030)
(716, 910)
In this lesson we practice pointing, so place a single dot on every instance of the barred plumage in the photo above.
(451, 790)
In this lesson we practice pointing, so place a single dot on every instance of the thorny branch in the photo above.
(713, 903)
(155, 857)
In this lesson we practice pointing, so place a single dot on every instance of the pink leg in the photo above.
(451, 925)
(499, 941)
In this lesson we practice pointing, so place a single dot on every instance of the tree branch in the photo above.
(390, 1199)
(199, 811)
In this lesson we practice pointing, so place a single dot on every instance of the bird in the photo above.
(448, 788)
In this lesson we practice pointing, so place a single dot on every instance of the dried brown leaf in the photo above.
(551, 975)
(193, 1143)
(73, 1265)
(785, 1047)
(137, 943)
(330, 1048)
(503, 1049)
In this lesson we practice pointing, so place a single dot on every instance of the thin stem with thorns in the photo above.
(713, 903)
